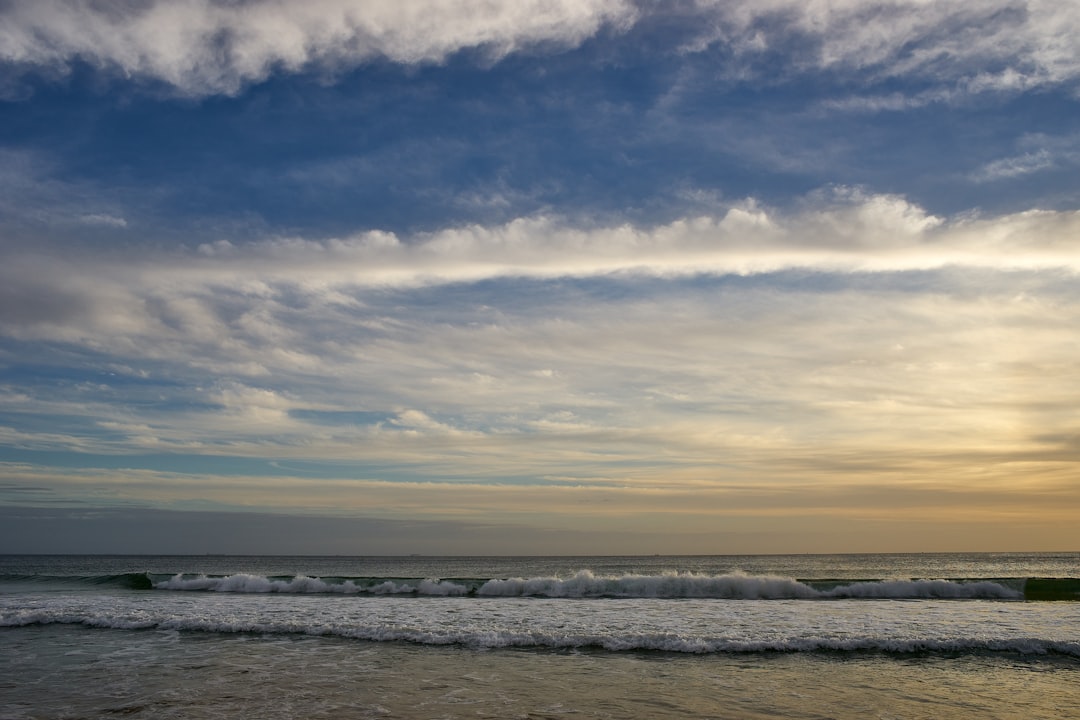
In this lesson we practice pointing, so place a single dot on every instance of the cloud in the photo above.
(840, 230)
(202, 47)
(209, 46)
(1015, 166)
(251, 310)
(892, 102)
(618, 380)
(1038, 153)
(847, 335)
(974, 46)
(103, 219)
(691, 500)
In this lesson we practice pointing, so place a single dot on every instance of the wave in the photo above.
(618, 642)
(587, 585)
(245, 583)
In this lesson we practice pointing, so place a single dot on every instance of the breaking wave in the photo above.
(585, 584)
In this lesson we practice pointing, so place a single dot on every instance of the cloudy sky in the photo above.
(539, 276)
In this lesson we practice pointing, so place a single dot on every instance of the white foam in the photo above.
(734, 586)
(506, 638)
(921, 589)
(683, 625)
(585, 584)
(669, 585)
(244, 583)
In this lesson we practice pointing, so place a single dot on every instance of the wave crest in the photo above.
(586, 584)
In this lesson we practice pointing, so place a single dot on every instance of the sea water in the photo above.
(840, 636)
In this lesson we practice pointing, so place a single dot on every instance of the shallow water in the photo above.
(75, 672)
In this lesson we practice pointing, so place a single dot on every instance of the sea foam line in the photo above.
(615, 642)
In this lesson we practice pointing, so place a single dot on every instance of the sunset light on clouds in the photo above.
(539, 277)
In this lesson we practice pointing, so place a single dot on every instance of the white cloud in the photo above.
(893, 102)
(845, 230)
(1038, 152)
(1015, 166)
(227, 294)
(974, 46)
(210, 46)
(103, 219)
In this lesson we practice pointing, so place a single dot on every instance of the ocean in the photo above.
(782, 636)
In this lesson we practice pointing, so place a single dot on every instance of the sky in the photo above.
(539, 276)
